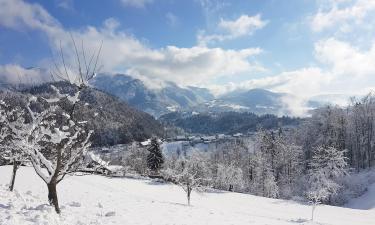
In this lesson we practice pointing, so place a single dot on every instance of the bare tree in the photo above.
(13, 132)
(58, 140)
(190, 173)
(58, 146)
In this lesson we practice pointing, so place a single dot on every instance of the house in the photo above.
(238, 135)
(145, 143)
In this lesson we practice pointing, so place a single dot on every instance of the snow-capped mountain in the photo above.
(168, 98)
(171, 97)
(258, 101)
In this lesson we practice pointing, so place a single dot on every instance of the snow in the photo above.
(234, 106)
(172, 108)
(146, 143)
(364, 202)
(95, 199)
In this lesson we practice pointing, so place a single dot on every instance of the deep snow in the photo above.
(96, 199)
(365, 202)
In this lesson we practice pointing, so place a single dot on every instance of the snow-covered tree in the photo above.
(134, 159)
(58, 141)
(13, 132)
(189, 172)
(327, 166)
(155, 157)
(229, 177)
(263, 165)
(270, 188)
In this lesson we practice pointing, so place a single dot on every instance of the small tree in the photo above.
(57, 146)
(155, 157)
(189, 172)
(57, 140)
(327, 166)
(13, 132)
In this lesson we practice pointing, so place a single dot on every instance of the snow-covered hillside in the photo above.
(96, 199)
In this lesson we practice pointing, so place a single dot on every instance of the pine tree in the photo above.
(155, 157)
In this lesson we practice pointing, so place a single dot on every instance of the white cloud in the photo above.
(345, 59)
(17, 14)
(231, 29)
(342, 13)
(136, 3)
(244, 25)
(123, 52)
(16, 74)
(344, 70)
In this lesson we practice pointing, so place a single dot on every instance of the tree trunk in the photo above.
(312, 211)
(52, 196)
(12, 181)
(188, 194)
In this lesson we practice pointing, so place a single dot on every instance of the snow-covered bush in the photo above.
(353, 186)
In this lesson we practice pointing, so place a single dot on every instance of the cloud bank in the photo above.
(123, 52)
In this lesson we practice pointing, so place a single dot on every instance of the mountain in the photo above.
(112, 120)
(171, 97)
(157, 102)
(258, 101)
(254, 98)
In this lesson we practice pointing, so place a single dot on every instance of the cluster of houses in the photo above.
(198, 139)
(205, 139)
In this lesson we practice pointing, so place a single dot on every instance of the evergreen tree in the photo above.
(155, 157)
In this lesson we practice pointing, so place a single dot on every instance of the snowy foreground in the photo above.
(95, 199)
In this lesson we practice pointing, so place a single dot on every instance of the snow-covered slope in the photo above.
(365, 202)
(100, 200)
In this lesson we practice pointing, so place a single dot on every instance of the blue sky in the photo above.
(173, 22)
(304, 47)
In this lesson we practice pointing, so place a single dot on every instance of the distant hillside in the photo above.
(167, 99)
(112, 120)
(225, 122)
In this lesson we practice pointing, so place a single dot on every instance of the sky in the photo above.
(303, 47)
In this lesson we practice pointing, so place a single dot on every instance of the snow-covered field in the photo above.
(96, 199)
